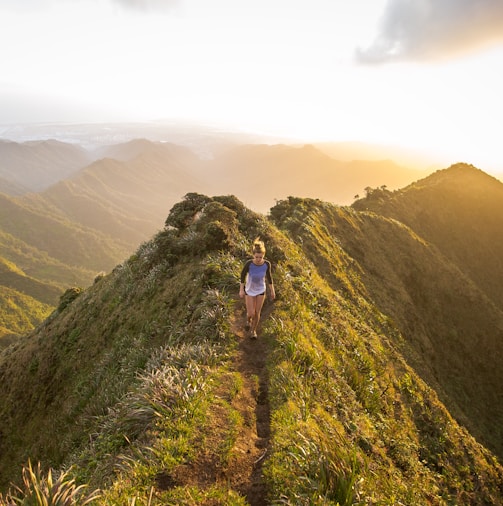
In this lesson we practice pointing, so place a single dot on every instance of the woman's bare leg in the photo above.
(250, 311)
(253, 308)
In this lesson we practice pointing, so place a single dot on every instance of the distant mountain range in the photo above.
(85, 210)
(34, 165)
(381, 356)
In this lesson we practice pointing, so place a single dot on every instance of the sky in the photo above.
(422, 74)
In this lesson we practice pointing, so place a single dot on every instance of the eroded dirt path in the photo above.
(253, 404)
(243, 471)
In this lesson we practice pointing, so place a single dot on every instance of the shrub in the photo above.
(68, 297)
(183, 213)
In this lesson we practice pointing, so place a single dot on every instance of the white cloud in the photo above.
(423, 30)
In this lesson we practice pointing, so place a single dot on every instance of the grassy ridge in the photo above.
(458, 210)
(452, 331)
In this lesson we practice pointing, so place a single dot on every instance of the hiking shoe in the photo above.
(248, 325)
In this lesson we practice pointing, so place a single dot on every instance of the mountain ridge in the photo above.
(350, 417)
(445, 223)
(452, 330)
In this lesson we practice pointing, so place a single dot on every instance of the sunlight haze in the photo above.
(422, 75)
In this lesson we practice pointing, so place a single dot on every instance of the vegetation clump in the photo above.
(46, 491)
(68, 297)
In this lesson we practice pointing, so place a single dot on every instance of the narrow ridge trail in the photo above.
(253, 404)
(250, 437)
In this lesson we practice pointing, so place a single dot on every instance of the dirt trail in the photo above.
(251, 364)
(243, 471)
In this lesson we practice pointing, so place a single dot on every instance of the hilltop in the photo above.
(157, 398)
(459, 210)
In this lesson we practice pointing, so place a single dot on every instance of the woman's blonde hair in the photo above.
(258, 246)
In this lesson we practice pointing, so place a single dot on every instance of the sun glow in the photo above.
(280, 67)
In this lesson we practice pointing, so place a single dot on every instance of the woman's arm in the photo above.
(269, 280)
(242, 279)
(244, 271)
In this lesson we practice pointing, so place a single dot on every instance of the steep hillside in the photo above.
(60, 238)
(144, 379)
(42, 253)
(24, 301)
(37, 164)
(19, 314)
(453, 332)
(40, 266)
(125, 198)
(460, 211)
(36, 280)
(12, 277)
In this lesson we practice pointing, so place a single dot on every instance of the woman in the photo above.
(255, 276)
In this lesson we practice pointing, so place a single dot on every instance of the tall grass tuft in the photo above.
(318, 472)
(39, 490)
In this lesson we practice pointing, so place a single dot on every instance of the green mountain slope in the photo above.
(60, 238)
(19, 313)
(38, 281)
(452, 330)
(43, 253)
(12, 277)
(124, 199)
(460, 211)
(141, 377)
(39, 265)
